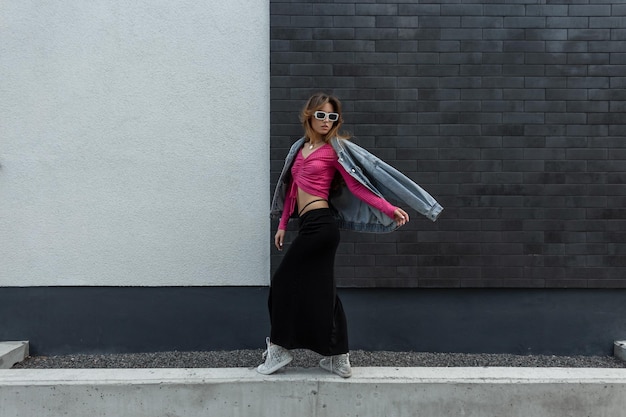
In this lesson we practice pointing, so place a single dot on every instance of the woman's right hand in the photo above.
(279, 238)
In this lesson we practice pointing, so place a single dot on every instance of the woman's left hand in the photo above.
(400, 216)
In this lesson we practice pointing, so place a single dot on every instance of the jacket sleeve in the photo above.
(364, 194)
(393, 184)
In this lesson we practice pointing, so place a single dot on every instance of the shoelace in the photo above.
(267, 352)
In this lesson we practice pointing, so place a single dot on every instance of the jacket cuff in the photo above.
(434, 212)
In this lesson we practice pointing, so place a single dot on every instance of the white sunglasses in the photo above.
(322, 115)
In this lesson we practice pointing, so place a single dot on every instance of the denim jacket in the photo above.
(379, 177)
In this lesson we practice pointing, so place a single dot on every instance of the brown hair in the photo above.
(316, 102)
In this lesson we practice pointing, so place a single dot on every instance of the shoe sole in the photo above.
(274, 368)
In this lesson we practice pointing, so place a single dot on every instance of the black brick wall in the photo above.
(510, 113)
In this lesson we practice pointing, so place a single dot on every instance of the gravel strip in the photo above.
(307, 359)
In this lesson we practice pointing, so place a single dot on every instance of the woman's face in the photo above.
(322, 127)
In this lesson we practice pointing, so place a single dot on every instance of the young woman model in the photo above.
(305, 311)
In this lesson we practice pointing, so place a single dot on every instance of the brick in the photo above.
(606, 70)
(523, 46)
(618, 9)
(336, 57)
(290, 57)
(354, 45)
(290, 33)
(437, 70)
(481, 70)
(354, 21)
(290, 9)
(396, 261)
(618, 106)
(397, 21)
(610, 94)
(457, 82)
(504, 34)
(458, 153)
(585, 130)
(501, 177)
(483, 22)
(331, 33)
(551, 59)
(619, 59)
(587, 58)
(354, 260)
(395, 46)
(376, 9)
(546, 34)
(524, 22)
(461, 10)
(565, 118)
(439, 22)
(280, 20)
(458, 177)
(312, 45)
(589, 10)
(510, 153)
(439, 46)
(522, 166)
(388, 58)
(546, 10)
(461, 33)
(566, 70)
(329, 9)
(567, 46)
(418, 58)
(523, 118)
(376, 272)
(418, 34)
(505, 10)
(419, 9)
(589, 34)
(482, 46)
(567, 22)
(378, 33)
(310, 69)
(617, 22)
(310, 21)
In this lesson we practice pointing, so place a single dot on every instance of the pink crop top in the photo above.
(314, 175)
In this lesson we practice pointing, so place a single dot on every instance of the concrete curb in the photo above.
(12, 353)
(537, 392)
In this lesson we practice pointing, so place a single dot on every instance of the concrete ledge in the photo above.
(12, 353)
(375, 392)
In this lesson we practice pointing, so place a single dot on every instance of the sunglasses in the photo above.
(322, 115)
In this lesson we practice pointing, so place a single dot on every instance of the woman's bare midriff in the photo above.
(305, 198)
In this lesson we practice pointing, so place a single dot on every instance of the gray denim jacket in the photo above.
(379, 177)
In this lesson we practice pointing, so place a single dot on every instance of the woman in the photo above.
(305, 311)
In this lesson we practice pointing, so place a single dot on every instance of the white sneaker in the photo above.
(275, 358)
(338, 364)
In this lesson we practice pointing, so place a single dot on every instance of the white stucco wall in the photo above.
(134, 143)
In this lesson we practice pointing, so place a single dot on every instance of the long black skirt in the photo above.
(305, 311)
